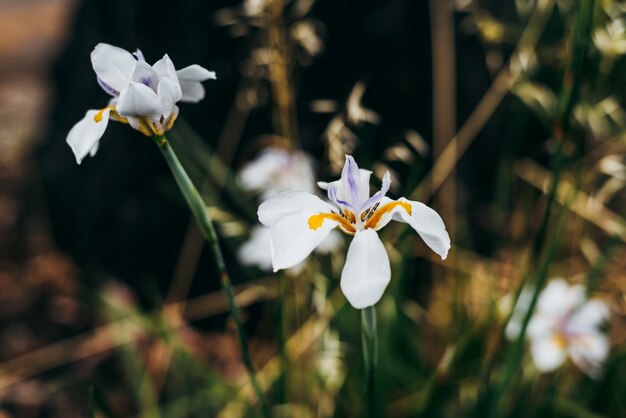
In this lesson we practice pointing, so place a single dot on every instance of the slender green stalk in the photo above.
(369, 338)
(200, 212)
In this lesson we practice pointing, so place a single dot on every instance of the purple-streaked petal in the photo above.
(108, 89)
(333, 196)
(145, 74)
(351, 181)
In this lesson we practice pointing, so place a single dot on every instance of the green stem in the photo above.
(200, 212)
(369, 338)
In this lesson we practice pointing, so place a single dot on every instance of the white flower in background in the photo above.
(143, 96)
(300, 221)
(566, 324)
(276, 170)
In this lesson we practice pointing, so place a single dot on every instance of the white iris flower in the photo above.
(143, 96)
(566, 324)
(300, 221)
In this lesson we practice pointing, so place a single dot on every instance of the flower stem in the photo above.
(200, 212)
(369, 338)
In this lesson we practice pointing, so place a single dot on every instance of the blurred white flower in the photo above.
(143, 96)
(300, 221)
(566, 324)
(277, 170)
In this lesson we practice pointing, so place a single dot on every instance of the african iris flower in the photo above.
(143, 96)
(567, 324)
(300, 221)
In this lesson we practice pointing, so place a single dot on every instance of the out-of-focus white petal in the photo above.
(287, 203)
(547, 353)
(195, 72)
(139, 100)
(559, 299)
(192, 91)
(427, 223)
(366, 273)
(84, 136)
(588, 317)
(293, 239)
(514, 326)
(112, 65)
(589, 352)
(260, 173)
(257, 251)
(541, 326)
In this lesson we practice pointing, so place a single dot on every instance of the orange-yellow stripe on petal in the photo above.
(98, 116)
(316, 221)
(373, 221)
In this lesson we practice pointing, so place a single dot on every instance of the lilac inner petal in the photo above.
(332, 195)
(351, 177)
(108, 89)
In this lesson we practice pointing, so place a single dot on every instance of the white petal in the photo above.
(367, 272)
(84, 136)
(541, 326)
(589, 353)
(287, 203)
(113, 65)
(259, 173)
(165, 69)
(559, 299)
(145, 74)
(588, 317)
(427, 223)
(547, 354)
(256, 251)
(293, 239)
(168, 95)
(195, 72)
(139, 100)
(192, 91)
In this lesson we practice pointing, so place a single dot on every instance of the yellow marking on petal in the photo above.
(98, 116)
(373, 221)
(316, 221)
(560, 340)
